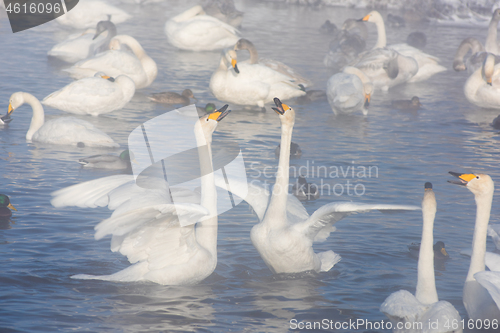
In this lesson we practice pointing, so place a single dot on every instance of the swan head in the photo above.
(286, 113)
(243, 44)
(373, 17)
(232, 58)
(15, 101)
(115, 44)
(429, 202)
(368, 91)
(489, 68)
(479, 184)
(104, 76)
(208, 123)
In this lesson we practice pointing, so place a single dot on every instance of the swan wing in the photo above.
(280, 67)
(402, 306)
(490, 281)
(440, 317)
(319, 226)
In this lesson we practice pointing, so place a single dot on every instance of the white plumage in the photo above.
(349, 91)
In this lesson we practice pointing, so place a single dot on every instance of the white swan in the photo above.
(476, 58)
(193, 30)
(480, 298)
(145, 225)
(278, 66)
(250, 84)
(491, 44)
(387, 68)
(423, 308)
(63, 131)
(81, 46)
(482, 88)
(427, 65)
(114, 62)
(349, 91)
(88, 13)
(285, 234)
(93, 95)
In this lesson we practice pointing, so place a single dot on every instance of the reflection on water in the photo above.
(42, 247)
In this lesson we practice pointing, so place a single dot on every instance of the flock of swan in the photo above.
(109, 68)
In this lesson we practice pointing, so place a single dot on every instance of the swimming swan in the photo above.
(250, 84)
(278, 66)
(424, 307)
(481, 290)
(62, 131)
(285, 235)
(193, 30)
(93, 95)
(482, 88)
(427, 65)
(114, 62)
(145, 227)
(349, 91)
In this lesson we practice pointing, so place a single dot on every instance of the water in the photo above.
(43, 246)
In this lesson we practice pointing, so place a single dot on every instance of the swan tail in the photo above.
(133, 273)
(328, 260)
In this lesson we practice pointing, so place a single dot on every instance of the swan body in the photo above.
(81, 46)
(111, 162)
(145, 223)
(93, 95)
(88, 13)
(387, 68)
(114, 62)
(193, 30)
(427, 65)
(480, 299)
(349, 91)
(482, 88)
(250, 84)
(402, 307)
(64, 131)
(278, 66)
(285, 235)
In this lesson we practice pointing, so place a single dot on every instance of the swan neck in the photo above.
(254, 55)
(38, 118)
(381, 39)
(206, 229)
(276, 212)
(483, 203)
(426, 285)
(188, 14)
(491, 39)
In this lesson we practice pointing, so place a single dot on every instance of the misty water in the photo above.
(42, 247)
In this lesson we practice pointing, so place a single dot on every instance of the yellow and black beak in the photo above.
(219, 114)
(464, 178)
(443, 251)
(488, 81)
(235, 66)
(109, 78)
(12, 207)
(367, 100)
(280, 107)
(11, 109)
(364, 19)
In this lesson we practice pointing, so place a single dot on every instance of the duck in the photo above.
(5, 206)
(310, 96)
(439, 250)
(223, 10)
(88, 13)
(404, 309)
(295, 151)
(250, 84)
(173, 97)
(305, 191)
(93, 95)
(480, 294)
(193, 30)
(410, 105)
(80, 46)
(62, 131)
(427, 65)
(111, 162)
(278, 66)
(285, 235)
(328, 28)
(417, 39)
(183, 235)
(348, 45)
(349, 91)
(395, 21)
(482, 88)
(116, 61)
